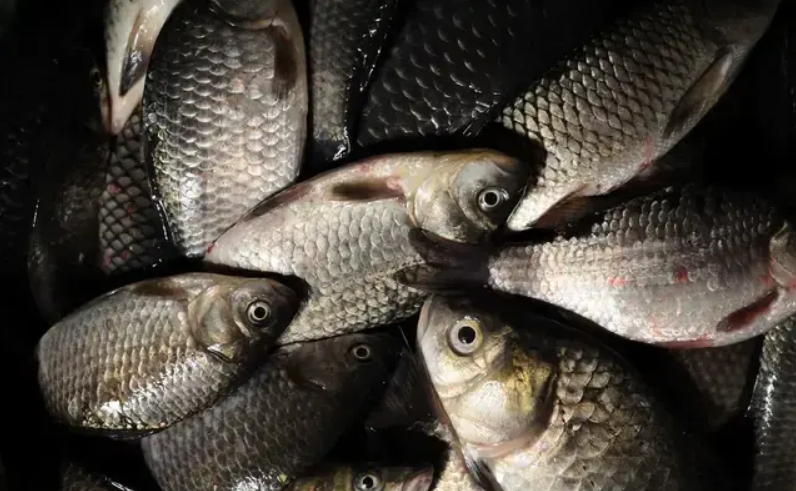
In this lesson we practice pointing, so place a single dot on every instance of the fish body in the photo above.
(772, 411)
(225, 116)
(277, 425)
(131, 230)
(346, 232)
(145, 356)
(687, 267)
(365, 478)
(609, 110)
(75, 477)
(131, 29)
(536, 405)
(346, 39)
(453, 65)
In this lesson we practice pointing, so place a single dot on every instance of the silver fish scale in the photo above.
(600, 114)
(660, 268)
(773, 412)
(347, 254)
(600, 418)
(130, 229)
(76, 478)
(267, 432)
(112, 357)
(220, 136)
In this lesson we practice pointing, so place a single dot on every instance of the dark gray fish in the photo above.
(150, 354)
(773, 411)
(346, 39)
(75, 477)
(279, 424)
(454, 64)
(132, 234)
(534, 404)
(345, 233)
(684, 267)
(366, 477)
(608, 111)
(225, 114)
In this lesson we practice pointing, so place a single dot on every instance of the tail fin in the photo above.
(448, 267)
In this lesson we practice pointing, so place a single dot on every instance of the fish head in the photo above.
(131, 28)
(491, 390)
(368, 477)
(783, 257)
(101, 95)
(344, 362)
(236, 313)
(737, 22)
(469, 195)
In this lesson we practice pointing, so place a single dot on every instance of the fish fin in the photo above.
(449, 266)
(289, 195)
(480, 473)
(745, 316)
(701, 95)
(366, 190)
(286, 72)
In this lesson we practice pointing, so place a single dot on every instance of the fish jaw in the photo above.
(131, 28)
(420, 481)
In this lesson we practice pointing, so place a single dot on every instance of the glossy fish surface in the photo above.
(346, 232)
(225, 116)
(536, 405)
(279, 424)
(346, 39)
(605, 113)
(363, 477)
(150, 354)
(684, 267)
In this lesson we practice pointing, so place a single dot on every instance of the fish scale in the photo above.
(277, 425)
(225, 113)
(130, 229)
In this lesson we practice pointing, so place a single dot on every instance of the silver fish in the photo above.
(608, 111)
(346, 232)
(688, 267)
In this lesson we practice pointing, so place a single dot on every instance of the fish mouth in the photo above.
(420, 481)
(422, 322)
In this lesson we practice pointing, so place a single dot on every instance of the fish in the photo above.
(279, 424)
(453, 65)
(772, 412)
(372, 477)
(686, 267)
(535, 404)
(225, 114)
(76, 477)
(147, 355)
(345, 233)
(131, 29)
(607, 111)
(345, 43)
(132, 232)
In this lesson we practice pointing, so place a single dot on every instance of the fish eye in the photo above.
(362, 353)
(96, 77)
(368, 482)
(259, 313)
(465, 337)
(492, 198)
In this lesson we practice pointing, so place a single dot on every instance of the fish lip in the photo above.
(423, 320)
(420, 481)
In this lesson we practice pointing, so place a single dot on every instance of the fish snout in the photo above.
(421, 481)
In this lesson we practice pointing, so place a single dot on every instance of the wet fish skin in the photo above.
(366, 477)
(453, 65)
(684, 267)
(286, 418)
(772, 411)
(346, 232)
(540, 406)
(219, 144)
(131, 29)
(75, 477)
(346, 39)
(607, 112)
(131, 230)
(150, 354)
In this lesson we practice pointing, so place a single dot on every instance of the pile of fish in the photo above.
(401, 245)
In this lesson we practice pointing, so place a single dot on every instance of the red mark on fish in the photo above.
(113, 189)
(210, 248)
(617, 281)
(681, 275)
